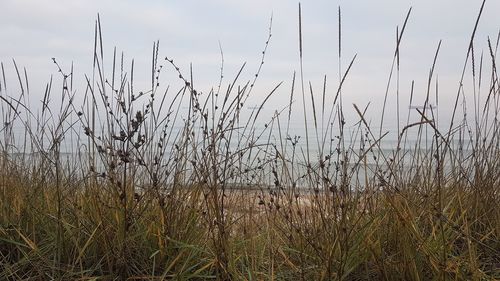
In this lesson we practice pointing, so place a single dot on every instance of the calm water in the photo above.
(266, 140)
(293, 144)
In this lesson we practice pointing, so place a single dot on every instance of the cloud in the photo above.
(190, 31)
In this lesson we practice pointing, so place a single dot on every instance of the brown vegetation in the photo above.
(156, 193)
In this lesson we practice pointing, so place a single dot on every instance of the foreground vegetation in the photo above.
(156, 192)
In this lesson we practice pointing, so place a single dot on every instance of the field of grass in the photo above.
(153, 191)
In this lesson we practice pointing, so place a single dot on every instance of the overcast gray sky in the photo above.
(34, 31)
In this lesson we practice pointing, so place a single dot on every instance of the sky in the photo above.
(34, 31)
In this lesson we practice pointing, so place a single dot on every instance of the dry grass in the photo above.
(156, 192)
